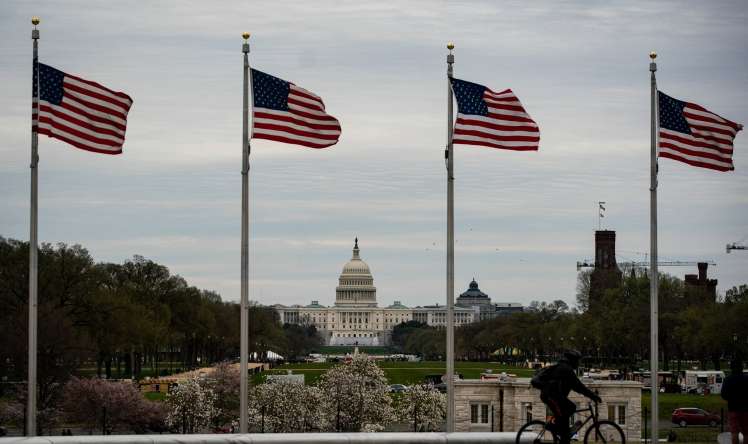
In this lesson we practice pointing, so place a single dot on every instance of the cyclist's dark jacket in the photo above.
(563, 379)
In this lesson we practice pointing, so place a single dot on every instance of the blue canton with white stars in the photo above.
(50, 84)
(671, 114)
(469, 97)
(269, 92)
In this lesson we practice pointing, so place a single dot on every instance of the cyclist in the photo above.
(555, 383)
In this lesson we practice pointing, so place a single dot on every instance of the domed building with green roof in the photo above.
(474, 297)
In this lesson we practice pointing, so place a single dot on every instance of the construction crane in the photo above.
(735, 246)
(644, 264)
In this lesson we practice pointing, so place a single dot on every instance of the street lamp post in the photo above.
(532, 348)
(584, 345)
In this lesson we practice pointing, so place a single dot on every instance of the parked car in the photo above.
(671, 387)
(398, 388)
(693, 416)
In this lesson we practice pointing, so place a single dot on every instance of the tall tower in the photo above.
(356, 285)
(606, 274)
(605, 250)
(700, 290)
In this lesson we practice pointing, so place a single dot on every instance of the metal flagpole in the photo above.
(653, 279)
(450, 251)
(33, 247)
(244, 340)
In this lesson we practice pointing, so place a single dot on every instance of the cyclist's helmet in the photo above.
(573, 356)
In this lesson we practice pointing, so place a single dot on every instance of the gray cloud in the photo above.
(523, 219)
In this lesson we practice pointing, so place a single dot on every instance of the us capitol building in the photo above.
(356, 318)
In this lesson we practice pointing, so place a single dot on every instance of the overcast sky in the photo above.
(522, 219)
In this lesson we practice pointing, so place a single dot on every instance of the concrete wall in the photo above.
(277, 438)
(508, 400)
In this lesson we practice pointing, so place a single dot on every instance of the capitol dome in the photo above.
(356, 266)
(356, 284)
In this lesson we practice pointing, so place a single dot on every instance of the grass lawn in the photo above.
(671, 401)
(155, 396)
(407, 373)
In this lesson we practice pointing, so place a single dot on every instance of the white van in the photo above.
(702, 381)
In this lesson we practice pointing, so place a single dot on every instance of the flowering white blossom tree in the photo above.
(191, 406)
(284, 407)
(424, 407)
(355, 397)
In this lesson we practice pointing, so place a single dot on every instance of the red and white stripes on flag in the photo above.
(288, 113)
(692, 134)
(80, 112)
(492, 119)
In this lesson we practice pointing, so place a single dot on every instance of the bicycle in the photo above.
(600, 431)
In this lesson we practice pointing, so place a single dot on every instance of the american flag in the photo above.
(691, 134)
(79, 112)
(493, 119)
(288, 113)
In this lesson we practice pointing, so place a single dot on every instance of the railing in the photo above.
(276, 438)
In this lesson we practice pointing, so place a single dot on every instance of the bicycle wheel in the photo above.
(604, 432)
(535, 432)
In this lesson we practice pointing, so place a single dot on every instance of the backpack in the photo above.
(543, 378)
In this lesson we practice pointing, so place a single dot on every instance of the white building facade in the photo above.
(507, 403)
(356, 318)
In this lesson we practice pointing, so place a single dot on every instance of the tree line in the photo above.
(614, 331)
(125, 320)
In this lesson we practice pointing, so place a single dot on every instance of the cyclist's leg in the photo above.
(561, 412)
(567, 408)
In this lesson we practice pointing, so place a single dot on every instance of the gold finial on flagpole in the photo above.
(35, 32)
(652, 55)
(245, 35)
(450, 46)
